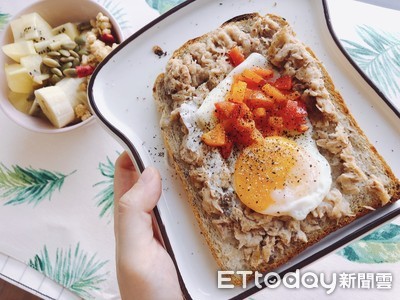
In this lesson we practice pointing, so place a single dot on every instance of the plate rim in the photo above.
(109, 126)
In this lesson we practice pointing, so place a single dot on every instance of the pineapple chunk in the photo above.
(19, 49)
(31, 27)
(69, 29)
(18, 79)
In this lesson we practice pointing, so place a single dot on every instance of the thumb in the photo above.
(134, 221)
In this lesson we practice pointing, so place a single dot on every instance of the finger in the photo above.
(134, 229)
(125, 175)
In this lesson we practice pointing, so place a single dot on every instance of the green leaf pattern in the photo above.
(71, 268)
(28, 185)
(163, 5)
(117, 11)
(381, 246)
(378, 56)
(4, 18)
(105, 198)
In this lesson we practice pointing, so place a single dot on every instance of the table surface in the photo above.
(94, 183)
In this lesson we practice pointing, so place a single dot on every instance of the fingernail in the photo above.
(147, 175)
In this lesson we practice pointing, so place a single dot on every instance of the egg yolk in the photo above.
(263, 168)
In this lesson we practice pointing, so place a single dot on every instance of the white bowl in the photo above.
(55, 12)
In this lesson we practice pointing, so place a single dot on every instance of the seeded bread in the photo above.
(241, 239)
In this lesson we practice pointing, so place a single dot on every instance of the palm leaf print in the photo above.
(163, 5)
(381, 246)
(3, 20)
(72, 268)
(28, 185)
(378, 57)
(117, 11)
(106, 195)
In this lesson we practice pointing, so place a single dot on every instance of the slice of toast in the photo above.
(239, 238)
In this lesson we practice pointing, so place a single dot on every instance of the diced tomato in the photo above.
(254, 109)
(293, 96)
(226, 149)
(244, 132)
(216, 137)
(226, 109)
(238, 91)
(250, 84)
(256, 99)
(241, 132)
(236, 56)
(259, 113)
(276, 123)
(284, 83)
(294, 116)
(252, 76)
(274, 93)
(265, 73)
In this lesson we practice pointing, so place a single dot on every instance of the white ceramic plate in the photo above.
(120, 93)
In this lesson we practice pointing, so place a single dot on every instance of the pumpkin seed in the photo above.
(52, 63)
(76, 62)
(54, 79)
(68, 45)
(67, 59)
(66, 66)
(80, 40)
(70, 72)
(74, 54)
(56, 72)
(84, 26)
(54, 54)
(83, 52)
(44, 69)
(64, 52)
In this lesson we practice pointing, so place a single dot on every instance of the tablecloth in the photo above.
(56, 190)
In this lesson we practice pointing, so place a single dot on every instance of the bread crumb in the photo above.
(157, 50)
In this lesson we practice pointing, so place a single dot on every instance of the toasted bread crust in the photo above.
(225, 251)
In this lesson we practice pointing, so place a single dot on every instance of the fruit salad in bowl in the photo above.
(49, 52)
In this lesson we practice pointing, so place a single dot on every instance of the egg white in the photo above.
(294, 201)
(298, 201)
(205, 114)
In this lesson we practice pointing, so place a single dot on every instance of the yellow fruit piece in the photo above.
(18, 79)
(18, 50)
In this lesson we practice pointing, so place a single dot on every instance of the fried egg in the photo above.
(280, 176)
(205, 114)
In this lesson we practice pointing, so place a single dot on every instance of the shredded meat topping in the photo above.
(200, 70)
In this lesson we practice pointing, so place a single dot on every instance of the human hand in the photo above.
(144, 268)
